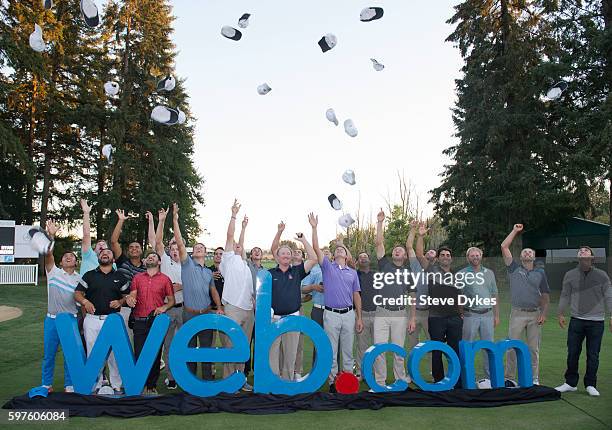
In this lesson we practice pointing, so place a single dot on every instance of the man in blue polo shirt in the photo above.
(198, 288)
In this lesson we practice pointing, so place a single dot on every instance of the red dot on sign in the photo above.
(347, 383)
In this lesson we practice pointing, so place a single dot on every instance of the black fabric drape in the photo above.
(261, 404)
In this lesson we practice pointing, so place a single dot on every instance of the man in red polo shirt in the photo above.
(148, 292)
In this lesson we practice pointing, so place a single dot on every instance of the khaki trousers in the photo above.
(287, 345)
(390, 324)
(522, 322)
(365, 339)
(245, 320)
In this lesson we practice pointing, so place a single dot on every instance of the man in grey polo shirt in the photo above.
(587, 292)
(479, 318)
(198, 287)
(530, 297)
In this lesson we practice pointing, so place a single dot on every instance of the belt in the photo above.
(339, 311)
(54, 315)
(478, 311)
(100, 317)
(178, 305)
(195, 311)
(314, 305)
(528, 309)
(141, 318)
(393, 308)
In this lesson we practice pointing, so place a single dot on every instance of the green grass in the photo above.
(20, 361)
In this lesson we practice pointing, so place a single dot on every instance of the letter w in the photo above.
(112, 337)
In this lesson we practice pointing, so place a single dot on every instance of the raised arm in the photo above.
(231, 228)
(115, 246)
(159, 233)
(245, 222)
(86, 243)
(380, 237)
(276, 240)
(314, 222)
(151, 230)
(177, 234)
(414, 225)
(505, 245)
(49, 259)
(310, 252)
(419, 246)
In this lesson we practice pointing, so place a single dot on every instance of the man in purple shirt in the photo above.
(342, 314)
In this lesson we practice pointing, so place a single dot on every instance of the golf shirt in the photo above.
(474, 289)
(151, 292)
(219, 284)
(286, 289)
(238, 281)
(526, 286)
(366, 283)
(60, 288)
(394, 289)
(313, 278)
(89, 261)
(340, 283)
(442, 291)
(254, 270)
(127, 269)
(101, 288)
(197, 280)
(172, 270)
(587, 294)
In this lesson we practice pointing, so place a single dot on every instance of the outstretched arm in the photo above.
(276, 240)
(380, 238)
(314, 221)
(410, 240)
(151, 230)
(115, 246)
(419, 246)
(231, 228)
(245, 222)
(177, 234)
(49, 259)
(505, 245)
(159, 233)
(86, 243)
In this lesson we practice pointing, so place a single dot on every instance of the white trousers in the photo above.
(92, 326)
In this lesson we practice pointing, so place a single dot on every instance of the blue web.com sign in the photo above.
(113, 336)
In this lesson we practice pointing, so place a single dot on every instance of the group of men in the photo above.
(346, 301)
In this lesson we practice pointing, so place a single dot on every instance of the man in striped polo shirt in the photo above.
(61, 283)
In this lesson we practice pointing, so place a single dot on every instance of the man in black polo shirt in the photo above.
(102, 292)
(445, 320)
(391, 319)
(287, 300)
(127, 265)
(365, 339)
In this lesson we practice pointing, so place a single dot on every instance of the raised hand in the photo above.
(162, 213)
(175, 211)
(235, 207)
(313, 220)
(300, 237)
(85, 207)
(148, 215)
(281, 226)
(381, 216)
(51, 228)
(121, 214)
(423, 229)
(518, 227)
(245, 222)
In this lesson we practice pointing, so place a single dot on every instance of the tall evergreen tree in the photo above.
(506, 166)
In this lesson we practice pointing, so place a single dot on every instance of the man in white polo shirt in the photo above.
(237, 299)
(171, 267)
(61, 284)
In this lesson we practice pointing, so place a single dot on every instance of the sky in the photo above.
(277, 154)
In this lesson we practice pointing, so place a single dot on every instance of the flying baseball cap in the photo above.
(107, 152)
(330, 114)
(111, 88)
(556, 91)
(327, 42)
(349, 177)
(334, 202)
(164, 115)
(346, 220)
(166, 84)
(371, 14)
(231, 32)
(243, 21)
(377, 66)
(89, 10)
(37, 42)
(349, 128)
(40, 241)
(263, 89)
